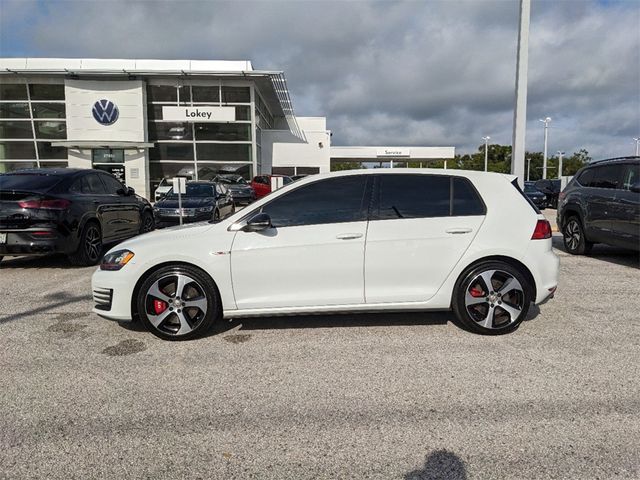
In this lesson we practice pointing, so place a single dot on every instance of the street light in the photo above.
(546, 122)
(486, 151)
(637, 140)
(560, 154)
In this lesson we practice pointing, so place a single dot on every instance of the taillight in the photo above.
(51, 204)
(542, 230)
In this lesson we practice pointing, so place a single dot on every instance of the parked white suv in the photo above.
(371, 240)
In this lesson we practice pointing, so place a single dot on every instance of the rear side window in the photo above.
(607, 176)
(466, 200)
(413, 196)
(337, 200)
(586, 177)
(91, 185)
(425, 196)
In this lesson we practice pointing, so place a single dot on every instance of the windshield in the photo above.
(530, 188)
(195, 190)
(231, 179)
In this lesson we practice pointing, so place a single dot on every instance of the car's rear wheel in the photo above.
(178, 303)
(147, 223)
(492, 298)
(90, 246)
(574, 239)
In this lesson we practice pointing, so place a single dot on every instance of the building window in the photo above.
(50, 130)
(44, 91)
(224, 151)
(13, 91)
(236, 94)
(206, 94)
(14, 110)
(48, 110)
(162, 93)
(171, 151)
(17, 150)
(223, 131)
(9, 130)
(47, 152)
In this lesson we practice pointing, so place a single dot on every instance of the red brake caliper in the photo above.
(159, 306)
(475, 292)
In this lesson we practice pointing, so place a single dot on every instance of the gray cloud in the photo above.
(414, 73)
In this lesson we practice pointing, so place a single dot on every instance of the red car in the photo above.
(261, 184)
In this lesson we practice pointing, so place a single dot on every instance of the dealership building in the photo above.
(145, 120)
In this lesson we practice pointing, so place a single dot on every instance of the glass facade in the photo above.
(200, 150)
(31, 116)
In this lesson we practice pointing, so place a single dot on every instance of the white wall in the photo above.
(280, 148)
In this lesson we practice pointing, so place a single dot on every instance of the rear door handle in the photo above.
(348, 236)
(458, 231)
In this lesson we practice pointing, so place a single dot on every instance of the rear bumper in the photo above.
(35, 241)
(544, 265)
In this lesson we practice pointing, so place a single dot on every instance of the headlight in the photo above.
(116, 260)
(204, 209)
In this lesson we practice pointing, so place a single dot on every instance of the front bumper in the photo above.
(112, 295)
(173, 220)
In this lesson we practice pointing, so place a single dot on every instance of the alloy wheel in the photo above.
(176, 304)
(147, 226)
(494, 299)
(572, 234)
(93, 243)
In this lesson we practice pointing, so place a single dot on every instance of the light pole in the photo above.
(637, 140)
(486, 152)
(560, 154)
(546, 122)
(528, 168)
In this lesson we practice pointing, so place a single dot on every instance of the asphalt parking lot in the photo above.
(388, 396)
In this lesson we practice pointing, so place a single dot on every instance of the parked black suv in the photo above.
(551, 188)
(70, 211)
(601, 204)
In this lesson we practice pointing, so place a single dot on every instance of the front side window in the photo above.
(336, 200)
(413, 196)
(112, 185)
(607, 176)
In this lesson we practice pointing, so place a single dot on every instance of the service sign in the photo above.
(199, 114)
(393, 152)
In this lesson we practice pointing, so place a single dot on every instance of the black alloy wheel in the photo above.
(90, 246)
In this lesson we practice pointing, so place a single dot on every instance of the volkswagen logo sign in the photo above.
(105, 112)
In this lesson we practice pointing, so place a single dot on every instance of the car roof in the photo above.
(48, 171)
(631, 159)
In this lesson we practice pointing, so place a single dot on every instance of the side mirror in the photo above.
(257, 223)
(130, 191)
(635, 187)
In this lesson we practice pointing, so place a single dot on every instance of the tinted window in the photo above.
(28, 181)
(112, 185)
(335, 200)
(414, 196)
(466, 200)
(607, 176)
(586, 177)
(631, 176)
(91, 185)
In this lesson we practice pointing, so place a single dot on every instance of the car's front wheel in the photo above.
(178, 302)
(574, 239)
(492, 298)
(147, 222)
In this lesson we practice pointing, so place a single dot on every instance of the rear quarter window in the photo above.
(466, 200)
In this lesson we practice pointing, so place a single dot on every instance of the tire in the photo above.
(164, 298)
(495, 309)
(216, 215)
(575, 241)
(147, 222)
(89, 249)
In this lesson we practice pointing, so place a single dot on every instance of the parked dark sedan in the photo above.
(70, 211)
(551, 188)
(241, 191)
(601, 204)
(535, 195)
(202, 201)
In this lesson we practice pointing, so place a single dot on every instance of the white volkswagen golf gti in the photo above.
(371, 240)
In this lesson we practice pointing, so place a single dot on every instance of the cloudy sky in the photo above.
(384, 73)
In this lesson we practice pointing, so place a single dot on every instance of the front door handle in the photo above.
(348, 236)
(458, 231)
